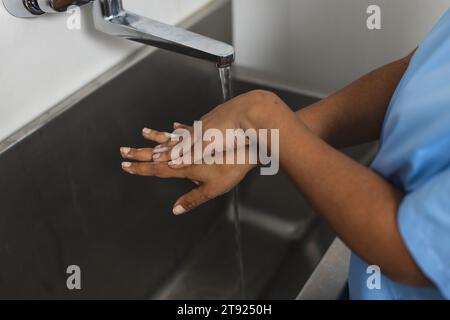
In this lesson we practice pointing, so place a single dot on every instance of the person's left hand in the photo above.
(213, 180)
(236, 114)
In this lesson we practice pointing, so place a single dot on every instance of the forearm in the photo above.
(354, 115)
(360, 205)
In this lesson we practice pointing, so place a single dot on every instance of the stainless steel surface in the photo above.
(329, 280)
(110, 17)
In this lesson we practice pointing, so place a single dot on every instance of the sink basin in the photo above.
(65, 200)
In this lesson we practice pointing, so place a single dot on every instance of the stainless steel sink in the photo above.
(65, 201)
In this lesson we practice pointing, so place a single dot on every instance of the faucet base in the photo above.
(23, 8)
(36, 8)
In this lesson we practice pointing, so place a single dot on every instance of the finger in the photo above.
(145, 154)
(191, 200)
(163, 156)
(175, 139)
(149, 169)
(162, 152)
(178, 162)
(181, 165)
(206, 153)
(177, 125)
(156, 136)
(170, 144)
(167, 153)
(199, 157)
(191, 158)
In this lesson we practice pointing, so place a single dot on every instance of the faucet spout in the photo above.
(111, 17)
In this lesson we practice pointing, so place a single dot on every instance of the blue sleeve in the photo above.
(424, 222)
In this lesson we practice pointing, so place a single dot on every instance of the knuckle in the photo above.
(159, 173)
(190, 204)
(137, 168)
(262, 95)
(145, 169)
(206, 194)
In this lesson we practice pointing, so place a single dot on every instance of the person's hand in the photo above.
(233, 115)
(212, 180)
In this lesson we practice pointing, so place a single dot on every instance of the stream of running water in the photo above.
(227, 94)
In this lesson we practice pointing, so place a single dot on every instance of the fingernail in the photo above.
(146, 130)
(176, 124)
(161, 150)
(156, 156)
(178, 210)
(125, 150)
(126, 164)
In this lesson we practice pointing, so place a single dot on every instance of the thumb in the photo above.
(191, 200)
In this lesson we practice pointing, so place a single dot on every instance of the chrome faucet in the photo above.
(110, 17)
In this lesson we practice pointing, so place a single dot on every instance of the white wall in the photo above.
(318, 46)
(42, 62)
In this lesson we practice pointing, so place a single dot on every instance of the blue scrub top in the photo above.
(415, 156)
